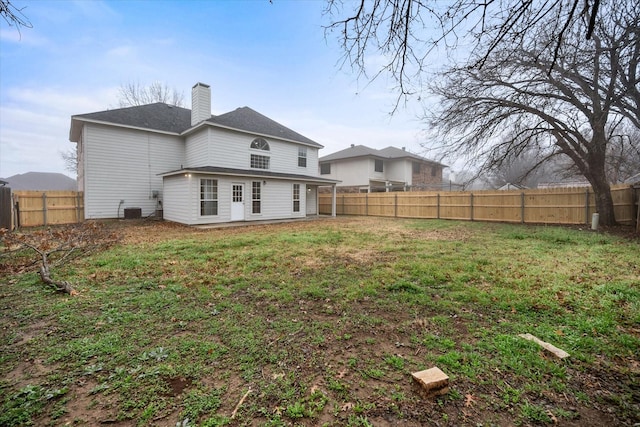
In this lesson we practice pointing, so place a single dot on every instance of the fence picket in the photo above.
(546, 206)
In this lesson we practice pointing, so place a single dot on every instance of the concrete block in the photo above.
(432, 382)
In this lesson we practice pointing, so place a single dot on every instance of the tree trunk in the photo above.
(604, 202)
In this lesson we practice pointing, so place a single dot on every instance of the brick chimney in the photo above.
(200, 103)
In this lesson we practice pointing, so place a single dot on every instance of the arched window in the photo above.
(260, 144)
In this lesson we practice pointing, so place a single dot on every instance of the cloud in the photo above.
(25, 36)
(35, 125)
(121, 51)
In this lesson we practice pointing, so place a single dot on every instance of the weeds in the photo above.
(325, 321)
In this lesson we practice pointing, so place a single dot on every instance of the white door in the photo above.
(237, 202)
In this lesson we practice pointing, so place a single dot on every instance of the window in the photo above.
(302, 157)
(434, 171)
(208, 197)
(236, 193)
(259, 162)
(296, 197)
(325, 168)
(416, 167)
(260, 144)
(379, 166)
(255, 197)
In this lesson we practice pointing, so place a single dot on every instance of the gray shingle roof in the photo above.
(363, 151)
(158, 116)
(168, 118)
(251, 121)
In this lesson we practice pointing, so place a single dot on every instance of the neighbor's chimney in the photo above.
(200, 103)
(353, 145)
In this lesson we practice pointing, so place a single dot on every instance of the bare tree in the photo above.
(407, 33)
(13, 15)
(623, 154)
(527, 169)
(132, 94)
(70, 158)
(515, 104)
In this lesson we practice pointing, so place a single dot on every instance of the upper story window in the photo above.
(260, 144)
(259, 162)
(416, 167)
(379, 166)
(325, 168)
(302, 157)
(434, 171)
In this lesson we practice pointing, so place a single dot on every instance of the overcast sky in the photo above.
(273, 58)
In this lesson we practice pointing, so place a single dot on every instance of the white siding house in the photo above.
(364, 169)
(195, 168)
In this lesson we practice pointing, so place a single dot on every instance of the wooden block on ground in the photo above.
(433, 382)
(549, 347)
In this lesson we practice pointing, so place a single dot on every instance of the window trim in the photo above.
(260, 144)
(256, 185)
(214, 199)
(296, 200)
(260, 160)
(302, 157)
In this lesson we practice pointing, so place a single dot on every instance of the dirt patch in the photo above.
(364, 348)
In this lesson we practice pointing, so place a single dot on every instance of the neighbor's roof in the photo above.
(385, 153)
(167, 118)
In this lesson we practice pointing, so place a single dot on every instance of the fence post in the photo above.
(395, 210)
(471, 194)
(522, 207)
(78, 207)
(438, 205)
(16, 205)
(44, 208)
(586, 206)
(366, 204)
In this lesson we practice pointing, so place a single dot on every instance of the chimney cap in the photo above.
(353, 145)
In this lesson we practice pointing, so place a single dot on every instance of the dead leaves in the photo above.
(469, 400)
(347, 406)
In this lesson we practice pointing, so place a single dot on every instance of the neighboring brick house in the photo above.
(363, 169)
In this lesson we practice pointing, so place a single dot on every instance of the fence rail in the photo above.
(541, 206)
(36, 208)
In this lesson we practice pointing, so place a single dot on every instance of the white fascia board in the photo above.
(250, 175)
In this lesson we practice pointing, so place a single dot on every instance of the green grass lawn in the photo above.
(323, 322)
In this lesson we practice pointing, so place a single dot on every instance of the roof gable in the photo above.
(249, 120)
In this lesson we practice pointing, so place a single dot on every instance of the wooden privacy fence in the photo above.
(35, 208)
(543, 206)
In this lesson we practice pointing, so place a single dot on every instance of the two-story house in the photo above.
(363, 169)
(193, 167)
